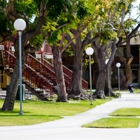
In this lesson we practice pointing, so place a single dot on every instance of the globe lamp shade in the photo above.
(89, 51)
(118, 65)
(19, 24)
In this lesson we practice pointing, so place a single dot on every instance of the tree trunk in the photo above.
(61, 88)
(101, 53)
(14, 83)
(129, 75)
(100, 85)
(78, 48)
(12, 89)
(76, 86)
(108, 88)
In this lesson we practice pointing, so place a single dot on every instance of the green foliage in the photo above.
(129, 23)
(82, 10)
(70, 18)
(54, 37)
(107, 35)
(37, 40)
(2, 23)
(2, 4)
(56, 7)
(49, 26)
(29, 7)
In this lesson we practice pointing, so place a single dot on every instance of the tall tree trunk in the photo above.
(102, 77)
(108, 88)
(61, 88)
(14, 83)
(76, 86)
(128, 77)
(101, 53)
(100, 85)
(78, 48)
(12, 89)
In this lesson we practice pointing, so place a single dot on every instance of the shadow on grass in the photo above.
(28, 115)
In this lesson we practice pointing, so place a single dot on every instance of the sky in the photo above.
(134, 12)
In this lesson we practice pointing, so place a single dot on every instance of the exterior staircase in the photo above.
(38, 75)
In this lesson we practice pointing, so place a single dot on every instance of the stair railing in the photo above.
(67, 74)
(30, 76)
(35, 80)
(9, 60)
(41, 69)
(66, 77)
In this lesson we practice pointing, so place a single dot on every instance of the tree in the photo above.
(34, 12)
(61, 36)
(105, 45)
(126, 36)
(101, 53)
(78, 48)
(101, 35)
(116, 16)
(82, 41)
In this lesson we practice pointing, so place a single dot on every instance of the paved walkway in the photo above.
(69, 128)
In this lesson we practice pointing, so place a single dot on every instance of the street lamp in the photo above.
(89, 52)
(118, 65)
(108, 77)
(20, 25)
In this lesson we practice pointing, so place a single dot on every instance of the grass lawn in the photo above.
(121, 118)
(136, 90)
(37, 111)
(126, 112)
(114, 123)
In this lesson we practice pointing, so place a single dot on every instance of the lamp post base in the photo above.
(21, 113)
(91, 100)
(91, 103)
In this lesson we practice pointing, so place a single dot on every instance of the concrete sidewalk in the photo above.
(70, 128)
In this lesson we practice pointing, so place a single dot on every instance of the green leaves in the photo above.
(29, 7)
(107, 35)
(56, 7)
(2, 23)
(82, 10)
(37, 40)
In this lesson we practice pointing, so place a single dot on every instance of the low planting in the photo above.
(121, 118)
(114, 123)
(126, 112)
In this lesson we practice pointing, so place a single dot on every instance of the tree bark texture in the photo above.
(78, 48)
(61, 87)
(76, 85)
(12, 89)
(128, 77)
(101, 54)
